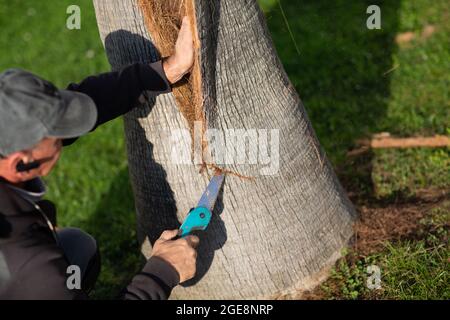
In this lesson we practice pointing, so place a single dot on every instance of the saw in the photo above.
(200, 216)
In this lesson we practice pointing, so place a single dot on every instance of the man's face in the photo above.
(46, 152)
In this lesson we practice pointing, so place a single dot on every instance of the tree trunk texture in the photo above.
(272, 235)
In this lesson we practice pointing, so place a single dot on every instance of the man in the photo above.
(36, 120)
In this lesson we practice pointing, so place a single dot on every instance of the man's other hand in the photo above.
(180, 63)
(180, 253)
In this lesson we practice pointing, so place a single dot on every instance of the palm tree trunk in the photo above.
(272, 234)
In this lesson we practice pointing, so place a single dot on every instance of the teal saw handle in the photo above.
(197, 219)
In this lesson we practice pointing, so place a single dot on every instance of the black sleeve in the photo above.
(155, 282)
(116, 93)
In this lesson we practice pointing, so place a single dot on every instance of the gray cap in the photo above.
(32, 108)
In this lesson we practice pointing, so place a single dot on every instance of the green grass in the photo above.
(35, 37)
(406, 171)
(419, 101)
(341, 75)
(413, 271)
(409, 271)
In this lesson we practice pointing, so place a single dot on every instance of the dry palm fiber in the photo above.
(163, 20)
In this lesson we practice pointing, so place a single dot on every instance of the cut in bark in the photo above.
(271, 235)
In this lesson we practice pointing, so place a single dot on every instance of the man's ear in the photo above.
(12, 161)
(15, 158)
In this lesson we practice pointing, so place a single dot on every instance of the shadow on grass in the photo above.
(114, 226)
(342, 70)
(342, 74)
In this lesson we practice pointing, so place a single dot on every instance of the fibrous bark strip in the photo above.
(163, 20)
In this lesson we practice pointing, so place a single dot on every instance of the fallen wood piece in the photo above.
(384, 140)
(414, 142)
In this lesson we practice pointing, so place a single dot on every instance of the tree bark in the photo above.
(270, 235)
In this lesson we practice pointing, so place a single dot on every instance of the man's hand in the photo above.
(180, 253)
(180, 63)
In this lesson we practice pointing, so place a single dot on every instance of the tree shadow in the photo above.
(342, 71)
(113, 225)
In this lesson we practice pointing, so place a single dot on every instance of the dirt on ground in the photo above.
(381, 222)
